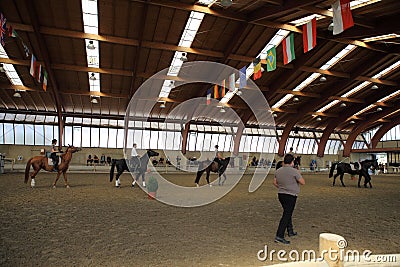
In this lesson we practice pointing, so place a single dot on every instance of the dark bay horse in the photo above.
(41, 162)
(297, 162)
(342, 168)
(122, 166)
(208, 166)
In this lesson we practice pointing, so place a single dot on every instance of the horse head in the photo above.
(73, 149)
(152, 153)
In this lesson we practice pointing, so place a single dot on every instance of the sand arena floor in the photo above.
(95, 224)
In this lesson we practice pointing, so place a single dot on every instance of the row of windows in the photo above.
(29, 134)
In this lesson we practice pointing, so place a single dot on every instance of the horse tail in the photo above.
(113, 163)
(332, 170)
(27, 168)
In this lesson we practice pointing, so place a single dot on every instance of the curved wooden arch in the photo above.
(383, 130)
(360, 128)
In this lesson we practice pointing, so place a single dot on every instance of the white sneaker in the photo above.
(144, 184)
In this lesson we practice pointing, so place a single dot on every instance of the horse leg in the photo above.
(135, 179)
(143, 180)
(208, 177)
(33, 175)
(224, 179)
(117, 181)
(198, 176)
(359, 180)
(334, 178)
(65, 179)
(55, 181)
(341, 179)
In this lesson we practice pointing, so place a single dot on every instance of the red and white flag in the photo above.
(310, 35)
(342, 18)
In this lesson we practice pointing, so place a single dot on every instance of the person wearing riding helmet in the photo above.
(218, 158)
(53, 155)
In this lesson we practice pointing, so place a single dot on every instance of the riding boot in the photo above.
(55, 167)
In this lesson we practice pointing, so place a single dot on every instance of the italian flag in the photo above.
(45, 80)
(342, 18)
(310, 35)
(288, 49)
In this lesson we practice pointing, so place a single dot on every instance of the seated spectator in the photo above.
(154, 161)
(89, 160)
(108, 160)
(161, 161)
(103, 159)
(96, 159)
(168, 162)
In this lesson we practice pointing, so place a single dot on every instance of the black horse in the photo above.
(208, 166)
(342, 168)
(122, 166)
(297, 162)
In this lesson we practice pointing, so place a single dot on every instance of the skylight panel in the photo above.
(381, 37)
(91, 25)
(9, 69)
(188, 36)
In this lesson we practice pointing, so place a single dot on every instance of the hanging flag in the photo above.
(342, 18)
(310, 35)
(11, 32)
(3, 29)
(45, 78)
(26, 49)
(39, 73)
(271, 59)
(33, 66)
(216, 93)
(257, 69)
(223, 88)
(288, 49)
(242, 77)
(232, 82)
(208, 95)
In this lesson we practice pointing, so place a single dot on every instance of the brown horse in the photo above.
(208, 166)
(41, 162)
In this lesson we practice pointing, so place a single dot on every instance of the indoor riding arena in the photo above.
(200, 133)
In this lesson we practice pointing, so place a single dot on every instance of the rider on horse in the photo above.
(135, 161)
(53, 155)
(218, 158)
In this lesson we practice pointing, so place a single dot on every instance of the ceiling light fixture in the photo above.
(222, 110)
(226, 3)
(319, 119)
(275, 115)
(343, 105)
(2, 68)
(238, 92)
(92, 77)
(352, 122)
(330, 27)
(379, 109)
(374, 87)
(94, 100)
(91, 45)
(322, 79)
(296, 99)
(162, 105)
(17, 94)
(184, 57)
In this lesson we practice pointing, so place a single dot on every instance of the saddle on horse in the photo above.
(355, 166)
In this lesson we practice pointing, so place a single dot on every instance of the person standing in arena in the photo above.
(287, 180)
